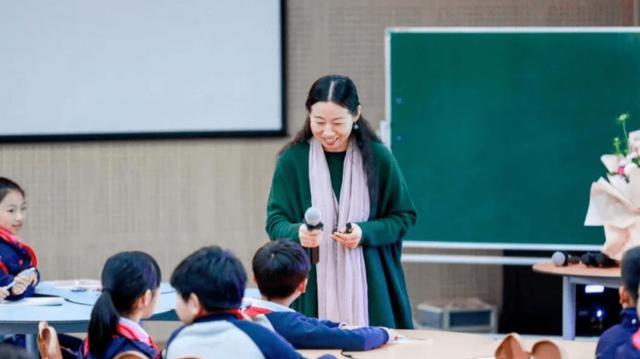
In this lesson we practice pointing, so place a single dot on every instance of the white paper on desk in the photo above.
(35, 301)
(403, 340)
(76, 285)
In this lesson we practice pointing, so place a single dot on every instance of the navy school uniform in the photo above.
(15, 257)
(226, 335)
(310, 333)
(131, 338)
(630, 349)
(618, 334)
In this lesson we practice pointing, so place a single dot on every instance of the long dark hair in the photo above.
(126, 276)
(343, 92)
(7, 185)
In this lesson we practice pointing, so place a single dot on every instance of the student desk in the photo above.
(70, 317)
(571, 276)
(451, 345)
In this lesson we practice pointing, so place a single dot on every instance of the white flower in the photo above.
(630, 169)
(611, 162)
(634, 142)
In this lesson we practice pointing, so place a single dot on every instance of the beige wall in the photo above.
(89, 200)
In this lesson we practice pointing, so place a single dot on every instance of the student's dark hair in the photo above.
(213, 274)
(7, 185)
(343, 92)
(8, 351)
(126, 276)
(279, 267)
(630, 271)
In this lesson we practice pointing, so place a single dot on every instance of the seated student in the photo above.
(130, 282)
(210, 285)
(621, 333)
(280, 269)
(18, 261)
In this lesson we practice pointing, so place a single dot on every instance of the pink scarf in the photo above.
(342, 279)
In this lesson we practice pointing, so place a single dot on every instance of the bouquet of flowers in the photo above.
(615, 202)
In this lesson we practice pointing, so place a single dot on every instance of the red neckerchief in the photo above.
(254, 310)
(11, 239)
(132, 334)
(235, 311)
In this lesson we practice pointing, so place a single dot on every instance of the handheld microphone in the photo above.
(561, 259)
(312, 221)
(349, 228)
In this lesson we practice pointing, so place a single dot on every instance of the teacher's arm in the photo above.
(281, 213)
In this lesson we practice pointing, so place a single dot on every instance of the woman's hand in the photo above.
(309, 239)
(349, 240)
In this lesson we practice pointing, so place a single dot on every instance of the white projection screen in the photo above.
(140, 68)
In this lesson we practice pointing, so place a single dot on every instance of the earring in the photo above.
(355, 126)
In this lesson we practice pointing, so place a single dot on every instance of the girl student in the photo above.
(18, 261)
(130, 282)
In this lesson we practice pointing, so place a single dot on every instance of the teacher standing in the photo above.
(337, 164)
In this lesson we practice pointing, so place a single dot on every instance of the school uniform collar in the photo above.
(229, 314)
(9, 237)
(134, 329)
(629, 317)
(12, 240)
(265, 304)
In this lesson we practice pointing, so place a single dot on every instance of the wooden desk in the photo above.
(450, 345)
(577, 274)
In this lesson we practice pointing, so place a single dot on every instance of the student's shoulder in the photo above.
(626, 351)
(253, 328)
(288, 318)
(260, 334)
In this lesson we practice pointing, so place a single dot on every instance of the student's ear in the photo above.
(194, 306)
(625, 297)
(302, 287)
(253, 279)
(147, 298)
(144, 300)
(357, 116)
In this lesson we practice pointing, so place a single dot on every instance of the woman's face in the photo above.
(331, 124)
(13, 211)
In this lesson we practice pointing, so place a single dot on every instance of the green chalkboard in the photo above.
(499, 133)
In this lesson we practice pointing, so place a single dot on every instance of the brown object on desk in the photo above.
(451, 345)
(511, 348)
(577, 270)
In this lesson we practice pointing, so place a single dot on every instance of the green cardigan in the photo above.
(391, 216)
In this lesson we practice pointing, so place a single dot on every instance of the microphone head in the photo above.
(312, 216)
(559, 259)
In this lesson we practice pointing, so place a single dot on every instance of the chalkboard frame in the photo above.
(388, 135)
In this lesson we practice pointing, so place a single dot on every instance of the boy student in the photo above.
(210, 285)
(281, 269)
(620, 334)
